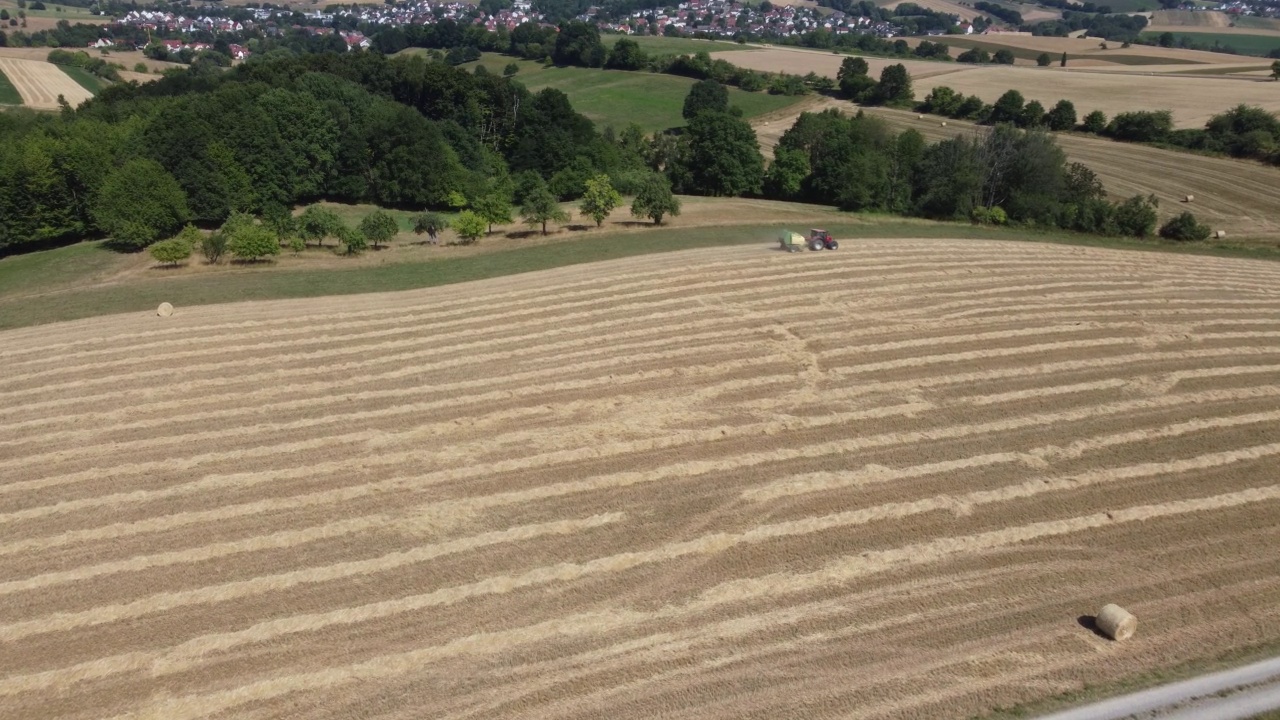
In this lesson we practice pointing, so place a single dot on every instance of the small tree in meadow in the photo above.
(540, 207)
(470, 226)
(213, 247)
(494, 207)
(317, 223)
(353, 240)
(379, 227)
(431, 223)
(252, 242)
(171, 251)
(600, 199)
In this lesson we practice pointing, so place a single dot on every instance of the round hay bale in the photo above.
(1116, 623)
(944, 123)
(1219, 234)
(165, 310)
(1188, 198)
(919, 117)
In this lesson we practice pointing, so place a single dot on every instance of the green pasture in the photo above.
(1256, 45)
(617, 98)
(8, 93)
(84, 78)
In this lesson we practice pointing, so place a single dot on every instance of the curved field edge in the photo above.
(721, 483)
(63, 301)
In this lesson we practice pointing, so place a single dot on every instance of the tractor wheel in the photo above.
(834, 245)
(816, 245)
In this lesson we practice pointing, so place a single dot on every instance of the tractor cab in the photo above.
(822, 240)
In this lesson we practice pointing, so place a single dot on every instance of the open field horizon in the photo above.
(1192, 99)
(729, 482)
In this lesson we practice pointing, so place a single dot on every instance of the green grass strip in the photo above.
(8, 93)
(84, 78)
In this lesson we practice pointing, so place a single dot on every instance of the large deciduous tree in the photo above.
(705, 95)
(655, 200)
(139, 203)
(894, 87)
(724, 156)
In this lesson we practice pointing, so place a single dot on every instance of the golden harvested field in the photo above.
(1193, 99)
(1089, 48)
(881, 482)
(128, 59)
(1220, 23)
(1237, 196)
(40, 83)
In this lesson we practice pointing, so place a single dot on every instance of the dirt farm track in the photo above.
(881, 482)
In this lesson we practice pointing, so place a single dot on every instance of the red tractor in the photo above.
(822, 240)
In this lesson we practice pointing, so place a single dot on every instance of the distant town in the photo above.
(715, 18)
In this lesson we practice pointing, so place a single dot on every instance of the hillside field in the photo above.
(1218, 21)
(894, 480)
(40, 83)
(615, 97)
(1193, 99)
(1245, 44)
(1236, 196)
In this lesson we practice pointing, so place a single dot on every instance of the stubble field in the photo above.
(40, 83)
(1193, 99)
(884, 482)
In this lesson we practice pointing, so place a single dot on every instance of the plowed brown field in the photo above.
(882, 482)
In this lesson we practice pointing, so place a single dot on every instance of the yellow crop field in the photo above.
(882, 482)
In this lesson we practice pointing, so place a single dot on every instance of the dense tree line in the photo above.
(1243, 131)
(859, 163)
(1012, 17)
(279, 131)
(1117, 27)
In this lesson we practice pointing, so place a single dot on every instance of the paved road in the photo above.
(1161, 700)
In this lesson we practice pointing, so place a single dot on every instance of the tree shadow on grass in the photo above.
(523, 234)
(636, 223)
(576, 228)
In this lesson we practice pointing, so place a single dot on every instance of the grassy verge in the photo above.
(617, 98)
(84, 78)
(8, 93)
(66, 301)
(1256, 45)
(1164, 676)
